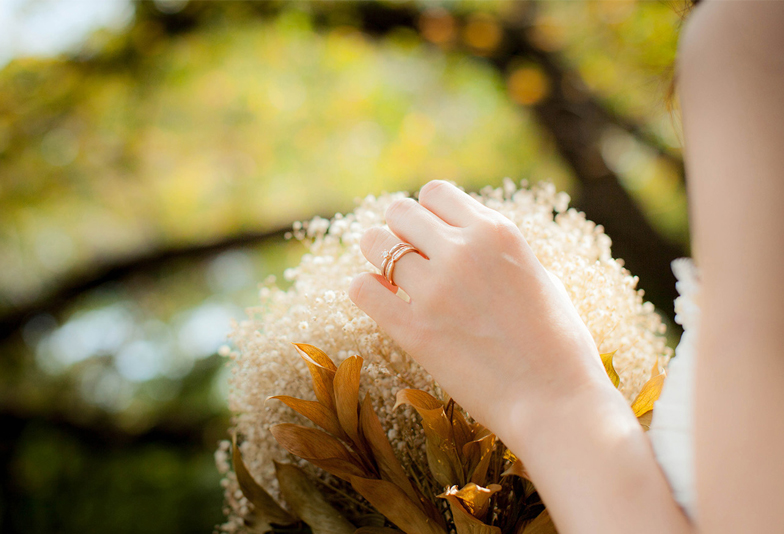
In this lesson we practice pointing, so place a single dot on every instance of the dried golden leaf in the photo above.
(388, 465)
(480, 432)
(317, 355)
(319, 448)
(309, 442)
(474, 499)
(443, 461)
(462, 431)
(517, 468)
(316, 412)
(308, 503)
(340, 468)
(528, 489)
(607, 360)
(377, 530)
(655, 371)
(391, 501)
(477, 454)
(418, 399)
(648, 395)
(322, 371)
(346, 387)
(542, 524)
(266, 510)
(645, 420)
(465, 522)
(442, 456)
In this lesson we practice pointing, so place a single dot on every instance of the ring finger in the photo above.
(409, 270)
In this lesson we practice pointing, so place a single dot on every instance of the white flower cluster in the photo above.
(316, 310)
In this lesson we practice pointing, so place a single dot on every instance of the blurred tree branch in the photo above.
(576, 126)
(81, 282)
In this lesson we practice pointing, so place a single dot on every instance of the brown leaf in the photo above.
(319, 448)
(316, 412)
(462, 431)
(322, 371)
(645, 420)
(465, 522)
(607, 360)
(528, 489)
(517, 468)
(418, 399)
(542, 524)
(308, 503)
(479, 453)
(346, 387)
(340, 468)
(648, 395)
(377, 530)
(391, 501)
(655, 371)
(388, 465)
(266, 510)
(474, 499)
(442, 456)
(317, 355)
(309, 442)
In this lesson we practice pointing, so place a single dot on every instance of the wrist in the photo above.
(535, 421)
(590, 460)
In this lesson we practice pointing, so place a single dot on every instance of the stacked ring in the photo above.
(391, 256)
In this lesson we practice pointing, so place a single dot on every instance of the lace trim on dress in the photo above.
(672, 427)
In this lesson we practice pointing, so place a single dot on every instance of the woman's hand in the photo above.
(491, 325)
(501, 336)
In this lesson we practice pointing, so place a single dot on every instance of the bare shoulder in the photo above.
(734, 34)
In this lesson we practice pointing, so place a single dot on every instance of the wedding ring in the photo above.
(391, 256)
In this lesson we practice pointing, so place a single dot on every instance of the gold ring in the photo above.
(392, 255)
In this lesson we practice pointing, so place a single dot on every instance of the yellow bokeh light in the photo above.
(437, 26)
(482, 32)
(548, 33)
(528, 85)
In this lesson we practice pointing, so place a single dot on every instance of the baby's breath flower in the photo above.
(316, 310)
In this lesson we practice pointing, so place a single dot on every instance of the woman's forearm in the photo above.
(594, 466)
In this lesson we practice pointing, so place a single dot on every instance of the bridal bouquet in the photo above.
(338, 431)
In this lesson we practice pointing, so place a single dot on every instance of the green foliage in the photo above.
(64, 485)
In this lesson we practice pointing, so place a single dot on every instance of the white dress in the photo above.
(672, 426)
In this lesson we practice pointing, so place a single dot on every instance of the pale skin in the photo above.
(501, 336)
